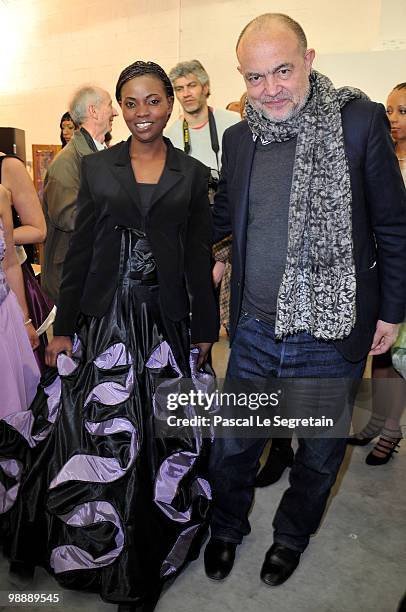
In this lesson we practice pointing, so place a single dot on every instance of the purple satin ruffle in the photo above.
(53, 391)
(13, 469)
(111, 393)
(161, 356)
(202, 381)
(167, 482)
(177, 554)
(93, 468)
(67, 365)
(115, 355)
(23, 421)
(69, 557)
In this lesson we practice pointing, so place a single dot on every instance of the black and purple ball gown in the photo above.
(89, 488)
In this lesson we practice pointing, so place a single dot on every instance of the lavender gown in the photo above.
(40, 306)
(19, 373)
(92, 489)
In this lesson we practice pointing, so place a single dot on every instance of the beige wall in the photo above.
(51, 46)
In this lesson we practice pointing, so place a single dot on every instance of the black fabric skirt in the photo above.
(89, 487)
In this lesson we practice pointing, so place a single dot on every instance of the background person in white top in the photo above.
(191, 133)
(192, 89)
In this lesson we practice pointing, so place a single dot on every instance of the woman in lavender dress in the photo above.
(29, 229)
(19, 373)
(110, 499)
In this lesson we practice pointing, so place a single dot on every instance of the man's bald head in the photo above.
(271, 20)
(276, 65)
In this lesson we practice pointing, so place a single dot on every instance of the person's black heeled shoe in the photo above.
(387, 449)
(279, 564)
(279, 459)
(219, 558)
(371, 431)
(354, 441)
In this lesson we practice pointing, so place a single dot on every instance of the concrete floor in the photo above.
(356, 563)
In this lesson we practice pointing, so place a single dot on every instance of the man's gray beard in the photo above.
(194, 112)
(295, 111)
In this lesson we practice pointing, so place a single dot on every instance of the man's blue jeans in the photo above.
(235, 462)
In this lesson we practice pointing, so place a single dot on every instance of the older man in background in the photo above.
(92, 110)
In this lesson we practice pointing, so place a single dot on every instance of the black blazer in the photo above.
(378, 219)
(179, 228)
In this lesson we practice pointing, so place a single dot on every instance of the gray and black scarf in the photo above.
(318, 288)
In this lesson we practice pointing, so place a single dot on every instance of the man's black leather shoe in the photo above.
(219, 558)
(279, 458)
(280, 563)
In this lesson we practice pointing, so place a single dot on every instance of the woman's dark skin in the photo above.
(146, 109)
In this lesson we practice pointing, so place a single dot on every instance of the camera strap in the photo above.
(213, 137)
(186, 137)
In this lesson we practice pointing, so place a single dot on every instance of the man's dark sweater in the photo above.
(267, 231)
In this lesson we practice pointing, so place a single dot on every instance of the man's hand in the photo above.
(217, 273)
(204, 348)
(385, 336)
(59, 344)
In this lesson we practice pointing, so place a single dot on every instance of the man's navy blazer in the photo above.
(178, 226)
(378, 219)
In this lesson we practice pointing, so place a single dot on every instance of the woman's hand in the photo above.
(217, 273)
(204, 349)
(59, 344)
(32, 335)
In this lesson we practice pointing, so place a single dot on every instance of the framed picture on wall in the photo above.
(42, 156)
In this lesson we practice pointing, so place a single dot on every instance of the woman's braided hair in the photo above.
(140, 68)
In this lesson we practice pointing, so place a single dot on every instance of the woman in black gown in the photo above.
(103, 500)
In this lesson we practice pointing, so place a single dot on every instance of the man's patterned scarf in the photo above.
(318, 288)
